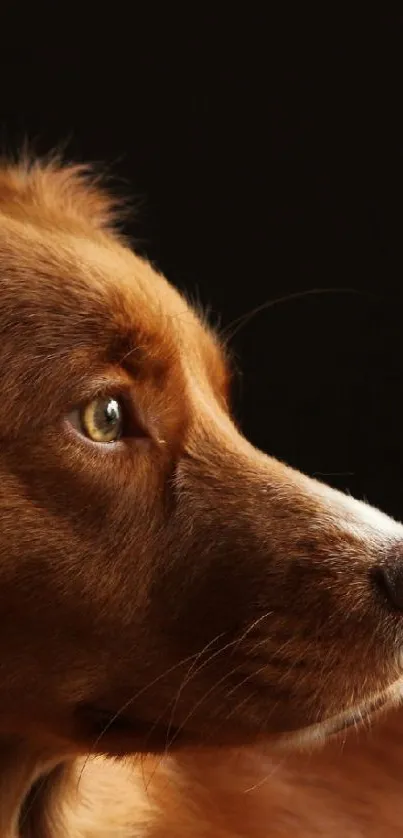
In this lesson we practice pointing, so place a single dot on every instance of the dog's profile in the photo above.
(167, 592)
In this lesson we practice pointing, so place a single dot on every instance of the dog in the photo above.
(181, 614)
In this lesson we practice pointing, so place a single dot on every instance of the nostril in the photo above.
(388, 578)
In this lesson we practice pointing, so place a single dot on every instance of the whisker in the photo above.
(194, 670)
(246, 679)
(186, 680)
(128, 703)
(267, 777)
(233, 643)
(238, 706)
(229, 331)
(253, 626)
(200, 701)
(190, 658)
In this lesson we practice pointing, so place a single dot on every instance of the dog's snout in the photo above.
(389, 579)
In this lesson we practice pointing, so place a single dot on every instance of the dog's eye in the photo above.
(101, 420)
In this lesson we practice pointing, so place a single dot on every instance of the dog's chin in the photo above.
(360, 715)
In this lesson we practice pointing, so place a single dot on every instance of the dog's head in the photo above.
(161, 581)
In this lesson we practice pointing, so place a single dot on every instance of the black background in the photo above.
(266, 152)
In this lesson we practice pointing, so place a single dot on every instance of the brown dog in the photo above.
(163, 585)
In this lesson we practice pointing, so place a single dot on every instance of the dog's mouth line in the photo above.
(355, 716)
(102, 723)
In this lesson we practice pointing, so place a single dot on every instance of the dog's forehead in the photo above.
(92, 285)
(61, 292)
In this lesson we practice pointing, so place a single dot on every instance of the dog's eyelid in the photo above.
(122, 392)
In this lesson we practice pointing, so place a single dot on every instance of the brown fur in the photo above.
(179, 592)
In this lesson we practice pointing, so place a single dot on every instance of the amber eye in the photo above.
(101, 420)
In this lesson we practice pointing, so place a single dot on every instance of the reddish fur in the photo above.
(208, 590)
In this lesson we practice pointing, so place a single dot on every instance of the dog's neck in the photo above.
(38, 795)
(29, 790)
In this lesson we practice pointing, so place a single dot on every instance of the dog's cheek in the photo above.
(70, 597)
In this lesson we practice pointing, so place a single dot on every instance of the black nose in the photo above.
(389, 580)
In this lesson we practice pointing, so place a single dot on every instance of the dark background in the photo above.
(267, 155)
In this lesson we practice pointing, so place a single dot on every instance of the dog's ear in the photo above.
(59, 194)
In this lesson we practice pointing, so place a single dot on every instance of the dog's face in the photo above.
(161, 581)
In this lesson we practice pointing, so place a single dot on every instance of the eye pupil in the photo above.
(111, 412)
